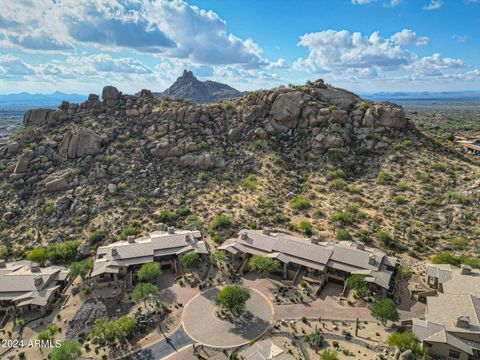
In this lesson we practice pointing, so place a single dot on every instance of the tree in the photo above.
(385, 310)
(190, 261)
(329, 355)
(233, 298)
(263, 264)
(107, 332)
(68, 350)
(218, 256)
(405, 341)
(142, 292)
(81, 268)
(358, 283)
(149, 272)
(315, 339)
(39, 255)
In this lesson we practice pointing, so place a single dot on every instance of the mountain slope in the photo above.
(188, 87)
(310, 158)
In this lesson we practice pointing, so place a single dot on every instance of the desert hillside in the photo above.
(312, 159)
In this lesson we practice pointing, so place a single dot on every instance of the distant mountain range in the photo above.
(424, 96)
(188, 87)
(47, 100)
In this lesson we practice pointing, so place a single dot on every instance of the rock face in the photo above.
(83, 142)
(55, 185)
(407, 355)
(385, 115)
(287, 108)
(202, 162)
(110, 93)
(188, 87)
(36, 117)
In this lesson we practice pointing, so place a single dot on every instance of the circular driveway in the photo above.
(203, 326)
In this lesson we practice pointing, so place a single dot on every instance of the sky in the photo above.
(363, 45)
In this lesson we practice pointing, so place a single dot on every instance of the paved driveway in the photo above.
(162, 349)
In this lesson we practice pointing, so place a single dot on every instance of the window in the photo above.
(454, 354)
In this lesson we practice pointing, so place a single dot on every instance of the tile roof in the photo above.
(346, 256)
(144, 249)
(17, 280)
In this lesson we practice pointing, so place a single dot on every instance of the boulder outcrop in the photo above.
(80, 143)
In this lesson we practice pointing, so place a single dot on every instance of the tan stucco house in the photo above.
(325, 261)
(30, 287)
(450, 328)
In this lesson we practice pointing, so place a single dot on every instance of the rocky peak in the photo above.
(188, 87)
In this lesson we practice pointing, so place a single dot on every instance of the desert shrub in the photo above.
(384, 237)
(446, 258)
(399, 199)
(300, 203)
(383, 177)
(96, 236)
(338, 183)
(343, 235)
(438, 166)
(221, 221)
(459, 242)
(250, 181)
(335, 174)
(305, 227)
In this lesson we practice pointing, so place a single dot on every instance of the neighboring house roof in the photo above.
(433, 332)
(142, 250)
(265, 350)
(345, 256)
(26, 281)
(452, 317)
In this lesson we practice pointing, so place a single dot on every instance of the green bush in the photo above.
(338, 183)
(305, 227)
(300, 203)
(459, 242)
(149, 272)
(438, 166)
(250, 181)
(383, 177)
(190, 261)
(96, 236)
(385, 238)
(399, 199)
(335, 174)
(446, 258)
(263, 264)
(221, 221)
(129, 231)
(405, 341)
(343, 235)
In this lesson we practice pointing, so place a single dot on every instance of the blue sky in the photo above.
(363, 45)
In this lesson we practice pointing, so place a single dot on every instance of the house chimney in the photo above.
(266, 231)
(466, 270)
(360, 246)
(371, 260)
(35, 268)
(131, 239)
(243, 235)
(171, 230)
(114, 252)
(314, 240)
(38, 281)
(3, 264)
(463, 322)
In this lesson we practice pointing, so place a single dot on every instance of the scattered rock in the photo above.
(59, 184)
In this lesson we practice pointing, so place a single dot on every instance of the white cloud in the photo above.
(279, 64)
(341, 55)
(169, 28)
(433, 5)
(434, 65)
(394, 3)
(460, 38)
(12, 66)
(408, 37)
(332, 49)
(106, 63)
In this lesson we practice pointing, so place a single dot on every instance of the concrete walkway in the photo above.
(160, 350)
